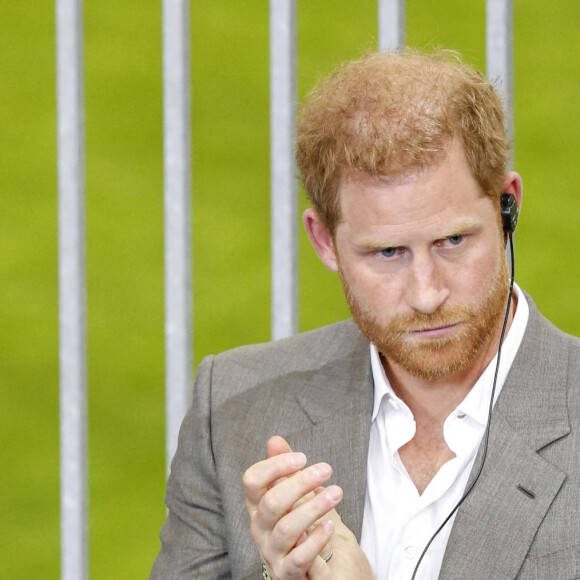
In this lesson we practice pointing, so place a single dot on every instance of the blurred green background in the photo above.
(231, 229)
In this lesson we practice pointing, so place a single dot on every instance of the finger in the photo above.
(319, 570)
(332, 514)
(278, 445)
(301, 558)
(303, 537)
(277, 481)
(290, 529)
(279, 500)
(259, 477)
(304, 498)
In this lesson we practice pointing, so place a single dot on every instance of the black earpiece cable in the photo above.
(486, 434)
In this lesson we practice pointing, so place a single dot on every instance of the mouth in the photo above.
(435, 331)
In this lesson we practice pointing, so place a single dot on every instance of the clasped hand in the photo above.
(293, 520)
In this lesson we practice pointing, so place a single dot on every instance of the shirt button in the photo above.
(462, 416)
(410, 552)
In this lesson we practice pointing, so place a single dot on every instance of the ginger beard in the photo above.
(430, 359)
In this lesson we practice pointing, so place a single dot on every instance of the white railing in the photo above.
(72, 302)
(177, 186)
(283, 180)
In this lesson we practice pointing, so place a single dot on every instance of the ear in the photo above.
(320, 238)
(512, 183)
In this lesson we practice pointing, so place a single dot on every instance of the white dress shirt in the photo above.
(398, 522)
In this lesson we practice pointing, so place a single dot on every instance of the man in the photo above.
(404, 158)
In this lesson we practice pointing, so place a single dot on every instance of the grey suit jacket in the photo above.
(522, 519)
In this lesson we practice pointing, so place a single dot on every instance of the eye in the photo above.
(388, 252)
(455, 240)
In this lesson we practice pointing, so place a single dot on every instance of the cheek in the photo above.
(376, 293)
(474, 280)
(388, 291)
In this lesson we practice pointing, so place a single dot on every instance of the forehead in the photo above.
(442, 196)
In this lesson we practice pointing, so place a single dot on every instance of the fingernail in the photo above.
(334, 493)
(328, 526)
(322, 470)
(297, 459)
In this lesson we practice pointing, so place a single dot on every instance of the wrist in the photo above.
(265, 571)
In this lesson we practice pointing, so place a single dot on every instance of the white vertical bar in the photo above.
(282, 167)
(391, 24)
(499, 52)
(499, 60)
(177, 184)
(72, 291)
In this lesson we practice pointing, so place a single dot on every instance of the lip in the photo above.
(436, 332)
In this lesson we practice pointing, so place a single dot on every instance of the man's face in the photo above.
(423, 267)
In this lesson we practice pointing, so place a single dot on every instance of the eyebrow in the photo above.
(464, 227)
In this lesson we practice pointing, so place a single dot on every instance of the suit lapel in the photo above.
(496, 524)
(338, 402)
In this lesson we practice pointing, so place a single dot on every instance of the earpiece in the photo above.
(509, 212)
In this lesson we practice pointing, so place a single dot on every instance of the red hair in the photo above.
(393, 114)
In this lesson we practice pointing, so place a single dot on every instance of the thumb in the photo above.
(278, 445)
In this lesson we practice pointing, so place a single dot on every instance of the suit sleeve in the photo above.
(193, 536)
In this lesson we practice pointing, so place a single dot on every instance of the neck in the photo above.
(434, 400)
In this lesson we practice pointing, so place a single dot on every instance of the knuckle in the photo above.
(249, 479)
(298, 561)
(269, 503)
(284, 529)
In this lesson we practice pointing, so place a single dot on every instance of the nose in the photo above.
(426, 290)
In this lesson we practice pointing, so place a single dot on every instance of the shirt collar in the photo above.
(476, 403)
(383, 387)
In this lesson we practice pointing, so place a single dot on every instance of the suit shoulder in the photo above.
(305, 350)
(556, 353)
(547, 333)
(282, 364)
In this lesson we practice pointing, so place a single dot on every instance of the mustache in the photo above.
(417, 321)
